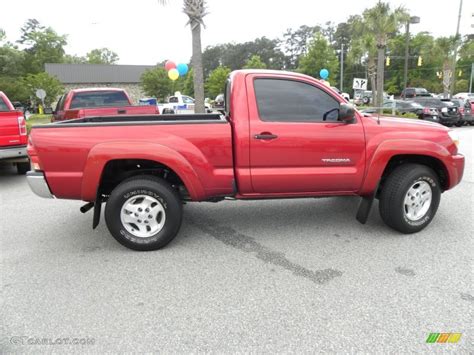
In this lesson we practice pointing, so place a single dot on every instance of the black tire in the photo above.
(156, 188)
(365, 100)
(394, 190)
(23, 168)
(459, 124)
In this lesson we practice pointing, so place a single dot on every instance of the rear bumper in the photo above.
(38, 184)
(17, 153)
(455, 170)
(449, 119)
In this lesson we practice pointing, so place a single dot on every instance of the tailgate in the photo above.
(125, 110)
(9, 129)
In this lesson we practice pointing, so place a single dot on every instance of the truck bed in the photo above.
(73, 153)
(140, 119)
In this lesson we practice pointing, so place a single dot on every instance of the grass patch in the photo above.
(36, 120)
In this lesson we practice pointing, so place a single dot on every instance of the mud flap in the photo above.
(97, 210)
(364, 208)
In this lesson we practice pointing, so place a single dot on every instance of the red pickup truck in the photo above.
(13, 136)
(283, 135)
(80, 103)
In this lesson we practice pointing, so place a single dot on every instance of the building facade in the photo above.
(76, 76)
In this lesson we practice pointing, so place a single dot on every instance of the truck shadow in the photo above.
(8, 171)
(297, 218)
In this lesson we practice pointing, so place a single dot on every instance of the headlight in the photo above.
(444, 109)
(454, 137)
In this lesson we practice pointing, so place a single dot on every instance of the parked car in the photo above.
(219, 102)
(267, 147)
(464, 108)
(13, 136)
(345, 95)
(180, 104)
(91, 102)
(448, 114)
(405, 106)
(364, 97)
(410, 93)
(464, 95)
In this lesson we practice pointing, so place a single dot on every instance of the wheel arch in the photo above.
(144, 158)
(393, 153)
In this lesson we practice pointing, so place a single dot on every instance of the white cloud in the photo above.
(143, 32)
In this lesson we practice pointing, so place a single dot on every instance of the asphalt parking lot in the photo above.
(268, 276)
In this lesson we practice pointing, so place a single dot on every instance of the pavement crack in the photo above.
(248, 244)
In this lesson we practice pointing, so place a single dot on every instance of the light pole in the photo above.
(457, 40)
(412, 20)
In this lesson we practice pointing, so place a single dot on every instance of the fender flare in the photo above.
(390, 148)
(102, 153)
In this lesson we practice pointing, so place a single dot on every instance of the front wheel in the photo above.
(410, 198)
(144, 213)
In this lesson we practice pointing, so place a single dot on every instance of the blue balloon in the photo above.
(324, 73)
(182, 69)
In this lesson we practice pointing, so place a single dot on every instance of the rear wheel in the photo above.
(23, 168)
(410, 198)
(144, 213)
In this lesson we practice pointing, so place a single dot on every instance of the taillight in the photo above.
(22, 126)
(426, 110)
(34, 159)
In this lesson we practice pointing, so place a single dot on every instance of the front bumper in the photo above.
(17, 153)
(38, 184)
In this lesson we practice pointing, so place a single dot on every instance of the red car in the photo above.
(93, 102)
(284, 135)
(13, 136)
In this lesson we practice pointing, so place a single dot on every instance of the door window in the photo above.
(281, 100)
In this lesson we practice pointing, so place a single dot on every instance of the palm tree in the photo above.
(196, 11)
(363, 48)
(381, 22)
(445, 48)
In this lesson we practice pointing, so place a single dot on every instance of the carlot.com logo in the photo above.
(443, 338)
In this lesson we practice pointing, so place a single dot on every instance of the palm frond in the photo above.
(196, 11)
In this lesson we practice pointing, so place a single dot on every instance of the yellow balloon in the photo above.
(173, 74)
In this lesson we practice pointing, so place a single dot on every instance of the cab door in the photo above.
(297, 144)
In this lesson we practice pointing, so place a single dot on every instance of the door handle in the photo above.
(265, 136)
(121, 111)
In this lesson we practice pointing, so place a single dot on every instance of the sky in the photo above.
(143, 32)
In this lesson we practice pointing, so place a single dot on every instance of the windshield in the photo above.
(3, 106)
(99, 99)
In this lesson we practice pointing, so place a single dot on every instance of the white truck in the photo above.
(179, 104)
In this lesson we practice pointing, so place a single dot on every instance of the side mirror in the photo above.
(346, 113)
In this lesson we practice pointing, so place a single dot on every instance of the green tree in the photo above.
(320, 55)
(381, 22)
(255, 63)
(42, 45)
(295, 44)
(196, 10)
(102, 56)
(14, 88)
(11, 61)
(155, 82)
(215, 84)
(188, 85)
(3, 36)
(74, 59)
(48, 83)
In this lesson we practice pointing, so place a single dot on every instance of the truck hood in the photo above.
(408, 123)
